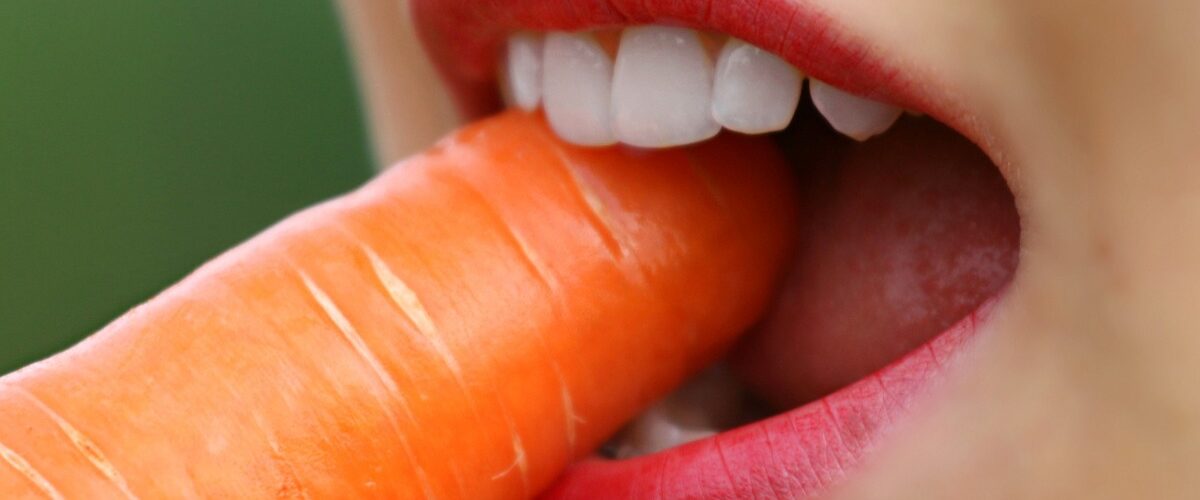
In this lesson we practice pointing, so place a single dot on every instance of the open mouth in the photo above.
(909, 232)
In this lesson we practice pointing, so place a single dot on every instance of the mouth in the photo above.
(910, 234)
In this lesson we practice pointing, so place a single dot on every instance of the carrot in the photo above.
(464, 326)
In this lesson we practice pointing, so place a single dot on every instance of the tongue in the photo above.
(905, 235)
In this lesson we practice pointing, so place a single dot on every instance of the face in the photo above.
(1079, 380)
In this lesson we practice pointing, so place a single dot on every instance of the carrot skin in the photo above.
(464, 326)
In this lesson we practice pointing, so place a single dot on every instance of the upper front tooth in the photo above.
(754, 91)
(577, 89)
(857, 117)
(662, 88)
(523, 70)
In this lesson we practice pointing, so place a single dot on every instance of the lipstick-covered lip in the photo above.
(800, 453)
(463, 39)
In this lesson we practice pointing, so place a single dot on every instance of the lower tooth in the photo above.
(857, 117)
(655, 431)
(755, 91)
(711, 401)
(577, 89)
(662, 88)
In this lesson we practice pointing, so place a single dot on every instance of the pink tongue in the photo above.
(905, 235)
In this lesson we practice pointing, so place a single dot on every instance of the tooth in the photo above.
(577, 89)
(711, 401)
(523, 71)
(754, 91)
(854, 116)
(662, 88)
(657, 430)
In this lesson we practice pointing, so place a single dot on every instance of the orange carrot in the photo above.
(463, 326)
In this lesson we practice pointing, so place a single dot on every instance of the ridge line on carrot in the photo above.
(351, 335)
(597, 213)
(82, 443)
(529, 258)
(23, 467)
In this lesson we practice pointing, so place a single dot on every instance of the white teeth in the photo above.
(854, 116)
(755, 91)
(577, 89)
(711, 401)
(656, 430)
(523, 71)
(662, 88)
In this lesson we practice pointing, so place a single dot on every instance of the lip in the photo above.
(463, 39)
(799, 452)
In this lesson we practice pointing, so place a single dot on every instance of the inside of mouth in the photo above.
(903, 236)
(907, 227)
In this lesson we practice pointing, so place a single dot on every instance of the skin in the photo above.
(405, 110)
(1084, 387)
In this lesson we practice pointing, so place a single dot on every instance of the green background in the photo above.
(140, 138)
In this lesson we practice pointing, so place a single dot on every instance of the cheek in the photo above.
(903, 236)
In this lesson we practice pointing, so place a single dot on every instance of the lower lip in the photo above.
(801, 452)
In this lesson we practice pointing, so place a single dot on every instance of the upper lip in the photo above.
(464, 38)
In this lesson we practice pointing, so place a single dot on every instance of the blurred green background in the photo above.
(139, 138)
